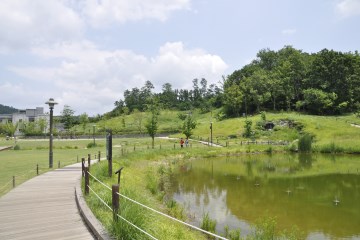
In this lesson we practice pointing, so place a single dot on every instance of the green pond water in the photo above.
(320, 194)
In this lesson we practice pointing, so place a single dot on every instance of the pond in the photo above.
(320, 194)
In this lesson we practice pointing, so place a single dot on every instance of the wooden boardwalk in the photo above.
(44, 208)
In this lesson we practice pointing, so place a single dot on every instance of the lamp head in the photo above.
(51, 103)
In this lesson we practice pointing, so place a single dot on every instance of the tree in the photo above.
(233, 99)
(138, 119)
(188, 125)
(67, 117)
(317, 101)
(152, 121)
(84, 120)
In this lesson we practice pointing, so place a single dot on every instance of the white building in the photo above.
(28, 115)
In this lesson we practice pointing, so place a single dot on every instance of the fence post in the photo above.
(37, 169)
(59, 164)
(83, 166)
(134, 148)
(99, 156)
(115, 201)
(13, 181)
(89, 159)
(174, 145)
(86, 169)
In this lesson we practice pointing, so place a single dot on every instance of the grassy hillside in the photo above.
(331, 134)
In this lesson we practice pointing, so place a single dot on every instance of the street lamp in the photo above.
(51, 104)
(94, 133)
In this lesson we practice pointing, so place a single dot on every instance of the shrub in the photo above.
(305, 142)
(248, 124)
(17, 147)
(91, 145)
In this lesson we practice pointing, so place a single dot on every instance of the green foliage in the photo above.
(152, 121)
(188, 126)
(247, 127)
(91, 145)
(208, 224)
(67, 117)
(182, 116)
(305, 142)
(231, 234)
(263, 116)
(84, 120)
(17, 147)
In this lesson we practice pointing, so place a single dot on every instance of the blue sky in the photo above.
(85, 53)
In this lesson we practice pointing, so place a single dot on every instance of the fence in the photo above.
(116, 199)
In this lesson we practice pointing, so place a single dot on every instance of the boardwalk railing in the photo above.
(115, 206)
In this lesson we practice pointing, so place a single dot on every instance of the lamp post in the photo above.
(94, 133)
(51, 104)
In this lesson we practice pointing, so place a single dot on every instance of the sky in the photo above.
(86, 53)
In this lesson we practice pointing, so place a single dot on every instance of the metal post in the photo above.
(86, 180)
(51, 104)
(115, 201)
(51, 139)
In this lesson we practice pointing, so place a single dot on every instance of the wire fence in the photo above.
(146, 207)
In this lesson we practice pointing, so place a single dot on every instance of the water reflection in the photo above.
(237, 191)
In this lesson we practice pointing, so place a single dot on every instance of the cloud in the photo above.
(348, 8)
(26, 23)
(104, 12)
(91, 80)
(289, 31)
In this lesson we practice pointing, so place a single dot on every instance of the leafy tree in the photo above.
(317, 101)
(67, 117)
(11, 128)
(233, 100)
(248, 124)
(138, 119)
(152, 121)
(84, 120)
(188, 126)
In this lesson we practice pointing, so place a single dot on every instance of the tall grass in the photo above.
(305, 142)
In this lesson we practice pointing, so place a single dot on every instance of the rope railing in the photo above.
(151, 209)
(128, 222)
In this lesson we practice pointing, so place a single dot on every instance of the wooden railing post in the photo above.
(59, 164)
(83, 166)
(13, 181)
(99, 156)
(86, 169)
(37, 169)
(89, 159)
(115, 201)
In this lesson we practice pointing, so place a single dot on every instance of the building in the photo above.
(28, 115)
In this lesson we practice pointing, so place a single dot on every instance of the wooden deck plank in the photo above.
(44, 208)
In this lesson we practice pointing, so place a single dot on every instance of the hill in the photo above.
(7, 110)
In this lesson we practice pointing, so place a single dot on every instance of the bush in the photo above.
(305, 142)
(91, 145)
(232, 136)
(17, 147)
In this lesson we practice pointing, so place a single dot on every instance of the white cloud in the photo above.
(26, 23)
(104, 12)
(289, 31)
(348, 8)
(91, 80)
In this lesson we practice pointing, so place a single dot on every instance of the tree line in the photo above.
(323, 83)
